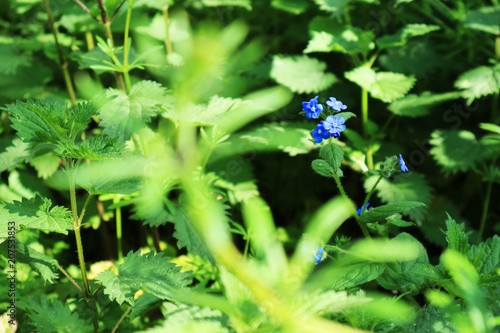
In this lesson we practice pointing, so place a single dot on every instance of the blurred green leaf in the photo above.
(490, 127)
(478, 82)
(401, 37)
(14, 154)
(295, 7)
(39, 262)
(45, 164)
(332, 6)
(233, 3)
(350, 276)
(11, 57)
(419, 105)
(381, 212)
(484, 19)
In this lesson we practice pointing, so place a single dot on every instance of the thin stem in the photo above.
(353, 208)
(62, 62)
(156, 239)
(486, 204)
(118, 212)
(363, 208)
(247, 243)
(168, 42)
(70, 278)
(109, 36)
(364, 113)
(82, 213)
(121, 319)
(81, 4)
(103, 12)
(126, 47)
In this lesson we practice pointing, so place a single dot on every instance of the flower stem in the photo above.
(118, 212)
(353, 208)
(168, 42)
(370, 194)
(70, 278)
(126, 48)
(364, 114)
(486, 204)
(109, 36)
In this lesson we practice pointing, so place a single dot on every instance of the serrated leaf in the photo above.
(233, 3)
(351, 276)
(322, 168)
(295, 7)
(53, 316)
(45, 164)
(301, 74)
(183, 318)
(478, 82)
(386, 86)
(38, 213)
(419, 105)
(14, 154)
(408, 31)
(449, 148)
(484, 19)
(456, 237)
(408, 187)
(39, 262)
(333, 155)
(125, 115)
(102, 147)
(486, 256)
(332, 6)
(382, 212)
(149, 272)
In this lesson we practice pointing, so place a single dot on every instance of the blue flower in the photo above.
(402, 164)
(318, 255)
(312, 108)
(320, 133)
(334, 124)
(336, 105)
(361, 209)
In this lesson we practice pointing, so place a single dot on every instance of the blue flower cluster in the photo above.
(332, 125)
(318, 255)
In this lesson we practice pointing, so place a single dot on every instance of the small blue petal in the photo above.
(402, 164)
(361, 209)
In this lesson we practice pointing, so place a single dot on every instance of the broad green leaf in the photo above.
(38, 213)
(407, 187)
(456, 237)
(144, 304)
(187, 236)
(449, 148)
(484, 19)
(401, 37)
(45, 164)
(350, 276)
(123, 115)
(431, 319)
(382, 212)
(486, 256)
(419, 105)
(301, 74)
(39, 262)
(102, 147)
(233, 3)
(386, 86)
(149, 272)
(332, 6)
(54, 316)
(295, 7)
(322, 168)
(333, 155)
(14, 154)
(478, 82)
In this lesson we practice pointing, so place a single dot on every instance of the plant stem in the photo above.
(121, 319)
(70, 278)
(126, 47)
(109, 36)
(486, 204)
(364, 113)
(370, 194)
(168, 42)
(118, 211)
(353, 208)
(62, 62)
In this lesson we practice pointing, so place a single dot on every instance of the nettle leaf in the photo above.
(484, 19)
(402, 36)
(188, 237)
(150, 272)
(386, 86)
(333, 155)
(54, 316)
(456, 237)
(407, 187)
(46, 164)
(14, 154)
(347, 277)
(332, 6)
(486, 256)
(233, 3)
(450, 147)
(102, 147)
(295, 7)
(301, 74)
(122, 115)
(37, 213)
(478, 82)
(184, 318)
(39, 262)
(419, 105)
(322, 168)
(382, 212)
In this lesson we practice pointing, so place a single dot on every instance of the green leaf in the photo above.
(236, 177)
(156, 4)
(46, 164)
(14, 154)
(486, 256)
(188, 237)
(39, 262)
(37, 213)
(382, 212)
(102, 147)
(295, 7)
(386, 86)
(490, 127)
(11, 57)
(419, 105)
(478, 82)
(402, 36)
(326, 302)
(407, 187)
(332, 6)
(449, 148)
(54, 316)
(233, 3)
(333, 155)
(125, 115)
(149, 272)
(431, 319)
(301, 74)
(484, 19)
(347, 277)
(456, 237)
(322, 168)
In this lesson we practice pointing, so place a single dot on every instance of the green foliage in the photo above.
(333, 155)
(401, 37)
(484, 19)
(295, 7)
(39, 262)
(149, 272)
(456, 237)
(478, 82)
(417, 106)
(382, 212)
(14, 154)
